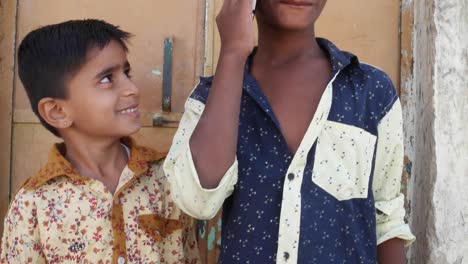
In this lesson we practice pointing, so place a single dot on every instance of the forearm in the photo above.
(214, 140)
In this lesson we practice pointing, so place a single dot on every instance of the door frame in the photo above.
(8, 18)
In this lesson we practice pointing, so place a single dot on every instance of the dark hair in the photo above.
(50, 55)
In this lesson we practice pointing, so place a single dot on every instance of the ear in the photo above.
(53, 111)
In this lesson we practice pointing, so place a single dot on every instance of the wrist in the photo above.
(235, 54)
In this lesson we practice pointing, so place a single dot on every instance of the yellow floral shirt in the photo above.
(59, 216)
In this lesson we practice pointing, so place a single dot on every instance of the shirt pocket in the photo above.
(157, 227)
(343, 160)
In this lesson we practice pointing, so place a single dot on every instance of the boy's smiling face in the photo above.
(102, 100)
(290, 14)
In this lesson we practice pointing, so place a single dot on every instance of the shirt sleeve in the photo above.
(180, 170)
(21, 242)
(389, 201)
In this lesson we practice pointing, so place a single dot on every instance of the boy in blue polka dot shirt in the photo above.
(300, 142)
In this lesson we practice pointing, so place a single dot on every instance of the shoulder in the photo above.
(367, 74)
(375, 75)
(375, 87)
(22, 204)
(381, 88)
(362, 95)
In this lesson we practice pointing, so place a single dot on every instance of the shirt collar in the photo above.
(58, 166)
(339, 59)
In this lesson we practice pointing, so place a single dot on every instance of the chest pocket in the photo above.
(343, 160)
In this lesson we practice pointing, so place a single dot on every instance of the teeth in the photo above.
(131, 110)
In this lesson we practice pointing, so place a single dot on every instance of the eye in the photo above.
(128, 73)
(106, 79)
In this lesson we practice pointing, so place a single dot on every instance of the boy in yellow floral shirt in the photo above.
(100, 198)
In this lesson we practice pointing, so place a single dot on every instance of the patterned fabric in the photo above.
(333, 201)
(59, 216)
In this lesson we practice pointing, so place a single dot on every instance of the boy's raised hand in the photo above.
(235, 25)
(214, 141)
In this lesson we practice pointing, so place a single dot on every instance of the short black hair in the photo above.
(50, 55)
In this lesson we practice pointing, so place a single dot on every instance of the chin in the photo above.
(130, 130)
(134, 130)
(294, 24)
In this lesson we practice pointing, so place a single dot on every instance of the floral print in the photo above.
(59, 216)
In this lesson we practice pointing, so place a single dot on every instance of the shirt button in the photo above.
(291, 176)
(286, 255)
(121, 260)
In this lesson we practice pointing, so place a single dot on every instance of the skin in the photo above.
(91, 121)
(287, 56)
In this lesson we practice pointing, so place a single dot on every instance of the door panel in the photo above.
(367, 28)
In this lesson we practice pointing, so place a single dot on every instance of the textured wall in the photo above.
(450, 196)
(435, 100)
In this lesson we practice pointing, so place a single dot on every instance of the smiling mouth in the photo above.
(129, 110)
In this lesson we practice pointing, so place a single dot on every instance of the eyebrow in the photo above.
(111, 69)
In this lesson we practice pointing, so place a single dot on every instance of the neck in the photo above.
(276, 45)
(95, 158)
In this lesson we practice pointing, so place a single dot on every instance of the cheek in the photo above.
(96, 106)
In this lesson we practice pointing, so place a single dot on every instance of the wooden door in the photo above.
(151, 22)
(367, 28)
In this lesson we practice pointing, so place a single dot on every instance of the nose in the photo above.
(129, 88)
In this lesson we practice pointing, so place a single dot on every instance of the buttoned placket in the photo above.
(289, 230)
